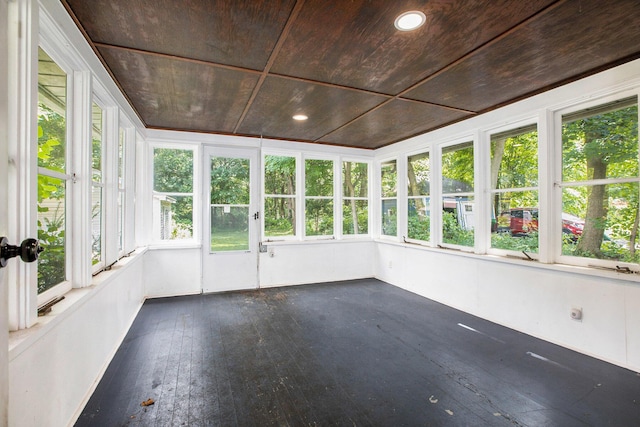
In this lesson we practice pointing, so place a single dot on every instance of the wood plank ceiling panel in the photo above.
(354, 43)
(392, 122)
(328, 108)
(179, 94)
(233, 32)
(569, 41)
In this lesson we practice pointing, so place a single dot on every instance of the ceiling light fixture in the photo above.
(410, 21)
(300, 117)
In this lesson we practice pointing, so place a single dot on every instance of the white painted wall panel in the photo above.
(530, 299)
(296, 264)
(55, 368)
(173, 271)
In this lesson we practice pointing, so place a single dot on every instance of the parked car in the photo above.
(522, 221)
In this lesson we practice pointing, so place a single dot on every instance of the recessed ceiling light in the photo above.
(300, 117)
(409, 21)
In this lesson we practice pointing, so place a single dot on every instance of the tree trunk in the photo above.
(351, 192)
(414, 190)
(496, 160)
(596, 219)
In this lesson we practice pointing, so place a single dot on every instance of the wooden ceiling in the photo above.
(245, 67)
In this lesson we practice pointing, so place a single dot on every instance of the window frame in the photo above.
(382, 197)
(342, 198)
(429, 152)
(298, 224)
(486, 166)
(334, 198)
(195, 194)
(438, 207)
(559, 185)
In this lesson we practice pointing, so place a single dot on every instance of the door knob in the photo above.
(28, 250)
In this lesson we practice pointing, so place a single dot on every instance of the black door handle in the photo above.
(28, 250)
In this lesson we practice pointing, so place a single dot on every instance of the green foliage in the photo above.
(453, 233)
(230, 181)
(419, 227)
(526, 243)
(172, 170)
(457, 164)
(279, 175)
(355, 217)
(319, 217)
(389, 179)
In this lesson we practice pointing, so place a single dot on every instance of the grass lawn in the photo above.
(229, 240)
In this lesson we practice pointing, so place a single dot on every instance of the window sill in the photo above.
(564, 268)
(327, 241)
(21, 340)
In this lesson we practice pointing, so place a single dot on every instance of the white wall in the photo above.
(318, 262)
(525, 297)
(172, 271)
(55, 365)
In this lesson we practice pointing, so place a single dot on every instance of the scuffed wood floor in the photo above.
(360, 353)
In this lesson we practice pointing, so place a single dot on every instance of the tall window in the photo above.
(418, 201)
(52, 171)
(514, 190)
(121, 189)
(318, 184)
(97, 185)
(172, 193)
(389, 193)
(457, 195)
(279, 196)
(600, 202)
(355, 198)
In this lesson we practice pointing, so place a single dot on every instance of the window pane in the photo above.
(418, 175)
(601, 221)
(457, 168)
(318, 177)
(172, 170)
(279, 216)
(279, 175)
(514, 160)
(96, 143)
(96, 224)
(120, 221)
(516, 225)
(51, 232)
(121, 140)
(173, 216)
(419, 219)
(319, 217)
(52, 104)
(229, 228)
(389, 179)
(458, 220)
(355, 217)
(601, 145)
(389, 217)
(230, 181)
(355, 179)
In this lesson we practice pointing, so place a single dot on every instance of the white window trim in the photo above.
(195, 239)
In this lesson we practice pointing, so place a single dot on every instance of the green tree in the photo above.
(598, 147)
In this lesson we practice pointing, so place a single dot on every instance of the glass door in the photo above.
(230, 248)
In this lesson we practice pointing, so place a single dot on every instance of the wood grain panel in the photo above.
(394, 121)
(570, 41)
(355, 43)
(327, 107)
(233, 32)
(179, 94)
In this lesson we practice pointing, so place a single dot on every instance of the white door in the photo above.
(231, 218)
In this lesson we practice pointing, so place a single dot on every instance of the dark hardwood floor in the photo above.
(357, 353)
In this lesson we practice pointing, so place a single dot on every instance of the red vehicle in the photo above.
(522, 221)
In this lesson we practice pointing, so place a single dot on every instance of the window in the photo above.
(318, 208)
(457, 195)
(355, 198)
(389, 193)
(173, 177)
(599, 190)
(418, 201)
(52, 172)
(121, 190)
(514, 190)
(279, 196)
(97, 186)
